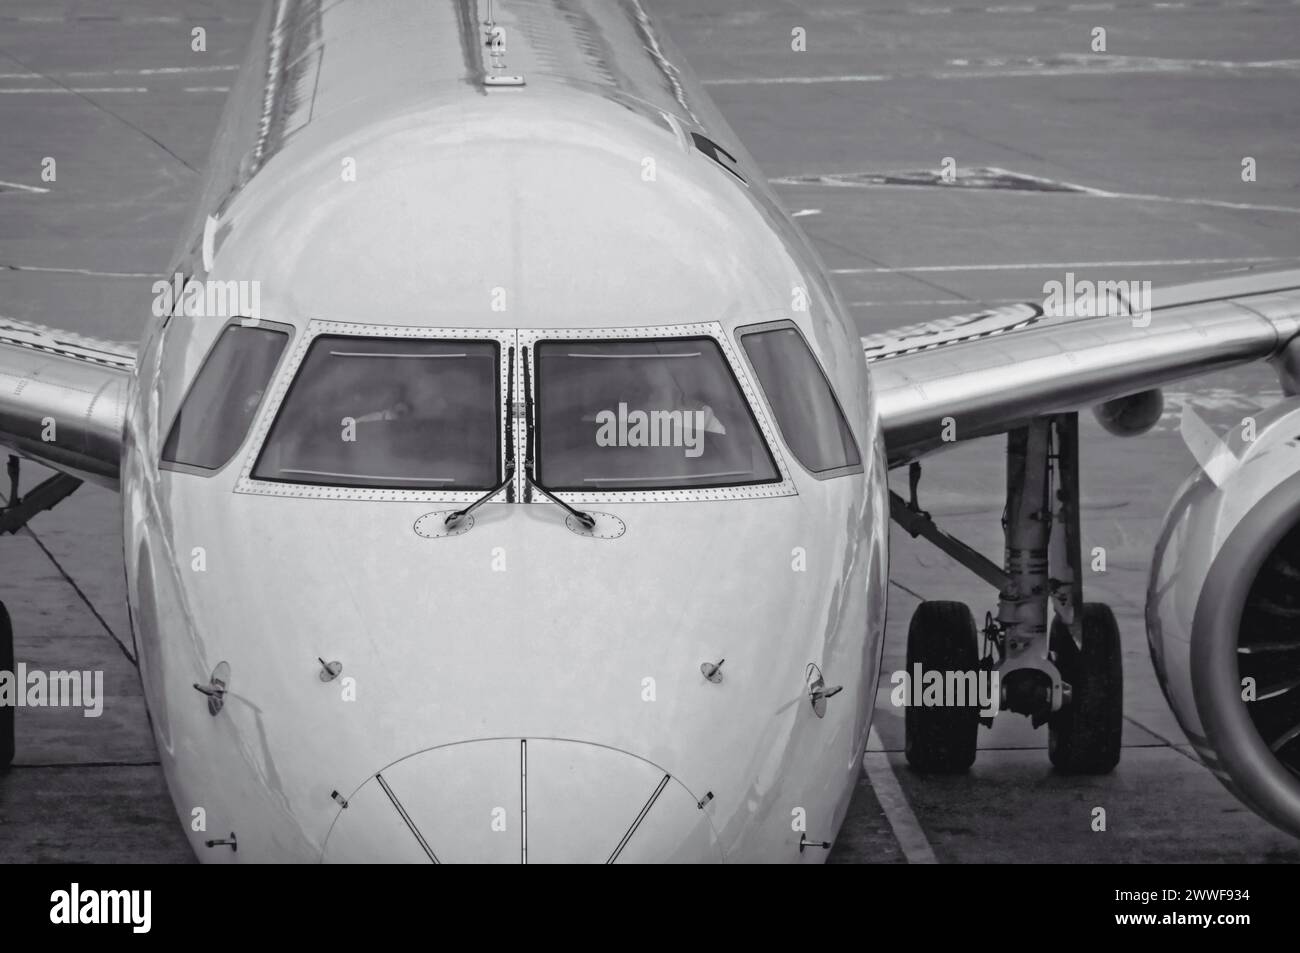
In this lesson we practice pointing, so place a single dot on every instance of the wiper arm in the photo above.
(586, 519)
(530, 462)
(458, 515)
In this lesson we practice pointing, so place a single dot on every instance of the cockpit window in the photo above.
(220, 406)
(381, 412)
(802, 400)
(644, 415)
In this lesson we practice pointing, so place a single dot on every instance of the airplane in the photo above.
(422, 563)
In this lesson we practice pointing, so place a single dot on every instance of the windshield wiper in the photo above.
(458, 515)
(530, 462)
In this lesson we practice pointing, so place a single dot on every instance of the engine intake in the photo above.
(1268, 650)
(1223, 618)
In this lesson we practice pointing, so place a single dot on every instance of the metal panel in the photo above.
(924, 375)
(77, 384)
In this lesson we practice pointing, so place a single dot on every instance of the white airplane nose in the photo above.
(522, 801)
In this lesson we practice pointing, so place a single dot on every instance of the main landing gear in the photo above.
(1069, 677)
(15, 512)
(942, 637)
(7, 664)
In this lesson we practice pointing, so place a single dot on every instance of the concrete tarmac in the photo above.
(1146, 142)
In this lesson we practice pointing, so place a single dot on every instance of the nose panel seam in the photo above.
(663, 783)
(523, 800)
(415, 831)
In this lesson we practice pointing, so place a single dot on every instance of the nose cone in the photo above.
(535, 800)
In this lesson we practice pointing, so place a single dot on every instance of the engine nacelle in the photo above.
(1223, 616)
(1133, 415)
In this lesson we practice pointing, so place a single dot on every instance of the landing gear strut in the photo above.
(15, 512)
(6, 711)
(1070, 680)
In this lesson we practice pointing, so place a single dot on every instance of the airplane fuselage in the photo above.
(513, 690)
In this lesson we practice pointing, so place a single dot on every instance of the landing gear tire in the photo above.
(6, 711)
(942, 637)
(1084, 736)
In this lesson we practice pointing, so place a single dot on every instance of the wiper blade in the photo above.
(458, 515)
(530, 462)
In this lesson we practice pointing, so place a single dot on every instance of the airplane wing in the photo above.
(990, 372)
(63, 399)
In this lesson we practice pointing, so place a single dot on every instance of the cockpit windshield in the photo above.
(643, 415)
(397, 413)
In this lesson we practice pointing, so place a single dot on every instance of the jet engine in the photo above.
(1133, 415)
(1223, 613)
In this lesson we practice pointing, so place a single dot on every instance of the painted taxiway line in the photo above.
(19, 187)
(149, 71)
(93, 19)
(78, 90)
(797, 80)
(1053, 187)
(1106, 6)
(907, 829)
(81, 595)
(87, 272)
(932, 302)
(1061, 265)
(1032, 68)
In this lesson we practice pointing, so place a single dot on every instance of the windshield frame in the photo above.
(288, 374)
(250, 432)
(788, 324)
(713, 330)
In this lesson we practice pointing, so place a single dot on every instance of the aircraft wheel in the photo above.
(942, 637)
(1084, 736)
(6, 711)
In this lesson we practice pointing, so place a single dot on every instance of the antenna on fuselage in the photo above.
(496, 44)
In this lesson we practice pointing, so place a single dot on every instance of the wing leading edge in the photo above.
(63, 399)
(996, 370)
